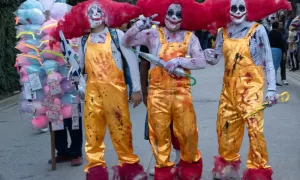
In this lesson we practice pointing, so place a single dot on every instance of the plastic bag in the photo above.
(27, 48)
(59, 10)
(29, 27)
(30, 16)
(29, 42)
(67, 86)
(47, 4)
(28, 59)
(69, 99)
(30, 4)
(47, 27)
(34, 107)
(50, 66)
(30, 69)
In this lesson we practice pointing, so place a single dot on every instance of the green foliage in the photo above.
(9, 79)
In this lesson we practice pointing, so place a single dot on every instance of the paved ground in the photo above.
(24, 152)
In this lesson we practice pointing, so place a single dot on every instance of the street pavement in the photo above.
(24, 152)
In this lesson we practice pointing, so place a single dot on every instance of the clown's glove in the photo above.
(271, 98)
(146, 23)
(211, 57)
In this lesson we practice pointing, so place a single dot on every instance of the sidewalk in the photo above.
(295, 74)
(9, 102)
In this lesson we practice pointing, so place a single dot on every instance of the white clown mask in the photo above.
(238, 11)
(95, 15)
(174, 17)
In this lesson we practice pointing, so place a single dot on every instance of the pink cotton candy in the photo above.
(40, 109)
(54, 76)
(24, 78)
(23, 71)
(48, 27)
(39, 122)
(66, 111)
(22, 61)
(23, 49)
(60, 61)
(46, 89)
(57, 101)
(48, 56)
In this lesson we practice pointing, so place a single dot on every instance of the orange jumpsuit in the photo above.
(243, 88)
(106, 103)
(169, 99)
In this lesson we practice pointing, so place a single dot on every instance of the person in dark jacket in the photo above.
(277, 45)
(285, 35)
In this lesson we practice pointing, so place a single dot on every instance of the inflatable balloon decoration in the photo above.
(47, 94)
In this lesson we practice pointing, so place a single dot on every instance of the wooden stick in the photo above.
(53, 159)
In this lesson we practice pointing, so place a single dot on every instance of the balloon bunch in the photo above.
(47, 94)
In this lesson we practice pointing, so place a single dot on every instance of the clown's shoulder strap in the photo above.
(114, 35)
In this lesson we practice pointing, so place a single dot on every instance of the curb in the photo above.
(9, 102)
(294, 75)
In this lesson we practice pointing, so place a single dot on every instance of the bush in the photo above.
(9, 79)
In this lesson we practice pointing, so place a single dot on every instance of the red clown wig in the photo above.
(195, 16)
(256, 9)
(76, 24)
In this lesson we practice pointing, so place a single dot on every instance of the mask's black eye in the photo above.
(170, 12)
(90, 12)
(179, 14)
(242, 8)
(234, 8)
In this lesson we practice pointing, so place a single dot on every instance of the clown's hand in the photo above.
(146, 23)
(70, 55)
(210, 56)
(171, 65)
(271, 97)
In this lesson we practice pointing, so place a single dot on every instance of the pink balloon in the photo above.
(40, 122)
(66, 111)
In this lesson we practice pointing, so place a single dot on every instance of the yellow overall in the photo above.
(106, 103)
(243, 88)
(169, 99)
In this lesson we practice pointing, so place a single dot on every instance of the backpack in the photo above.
(114, 35)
